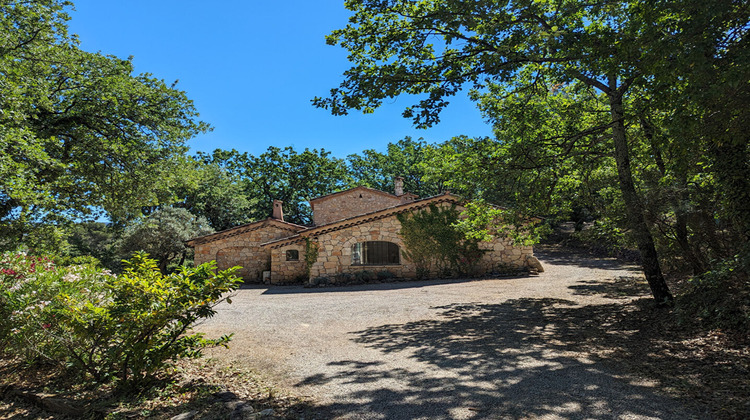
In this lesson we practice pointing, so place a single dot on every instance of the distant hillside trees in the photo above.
(162, 235)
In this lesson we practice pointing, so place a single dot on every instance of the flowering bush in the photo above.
(106, 327)
(23, 299)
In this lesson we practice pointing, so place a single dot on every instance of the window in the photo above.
(292, 255)
(375, 253)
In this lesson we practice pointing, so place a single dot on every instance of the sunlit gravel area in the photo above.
(449, 349)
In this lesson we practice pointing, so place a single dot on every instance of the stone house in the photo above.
(354, 230)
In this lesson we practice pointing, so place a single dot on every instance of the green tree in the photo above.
(282, 174)
(163, 234)
(211, 191)
(403, 158)
(95, 239)
(80, 134)
(435, 49)
(703, 80)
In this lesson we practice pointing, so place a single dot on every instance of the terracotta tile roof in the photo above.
(362, 218)
(238, 230)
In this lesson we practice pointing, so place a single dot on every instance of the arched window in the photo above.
(375, 253)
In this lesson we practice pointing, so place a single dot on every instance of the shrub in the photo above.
(320, 281)
(24, 295)
(125, 328)
(343, 278)
(605, 237)
(719, 298)
(311, 255)
(385, 275)
(365, 276)
(433, 240)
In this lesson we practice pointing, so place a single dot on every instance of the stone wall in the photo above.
(501, 252)
(351, 203)
(284, 271)
(335, 249)
(243, 249)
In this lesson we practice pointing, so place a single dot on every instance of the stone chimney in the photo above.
(398, 185)
(278, 210)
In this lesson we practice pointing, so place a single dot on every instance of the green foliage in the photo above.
(23, 300)
(484, 222)
(403, 158)
(311, 255)
(163, 235)
(80, 134)
(40, 236)
(209, 190)
(649, 98)
(719, 298)
(343, 278)
(107, 328)
(282, 174)
(365, 276)
(94, 240)
(320, 281)
(433, 243)
(385, 275)
(605, 234)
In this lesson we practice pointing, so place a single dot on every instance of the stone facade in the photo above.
(241, 246)
(342, 220)
(350, 203)
(284, 270)
(335, 253)
(335, 250)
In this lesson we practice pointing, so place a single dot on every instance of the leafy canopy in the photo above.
(80, 134)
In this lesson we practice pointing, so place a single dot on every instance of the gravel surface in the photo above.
(493, 348)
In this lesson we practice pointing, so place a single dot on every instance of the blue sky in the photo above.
(252, 67)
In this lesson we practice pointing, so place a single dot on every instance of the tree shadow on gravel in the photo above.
(392, 285)
(623, 287)
(524, 358)
(566, 256)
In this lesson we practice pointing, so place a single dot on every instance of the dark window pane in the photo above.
(292, 255)
(375, 253)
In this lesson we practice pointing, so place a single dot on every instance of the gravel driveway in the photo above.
(497, 348)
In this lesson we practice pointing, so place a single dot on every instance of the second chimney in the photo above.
(278, 210)
(398, 185)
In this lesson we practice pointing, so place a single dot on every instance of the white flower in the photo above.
(71, 277)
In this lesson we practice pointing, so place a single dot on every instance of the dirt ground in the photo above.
(566, 344)
(581, 340)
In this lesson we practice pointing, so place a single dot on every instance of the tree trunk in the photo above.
(636, 221)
